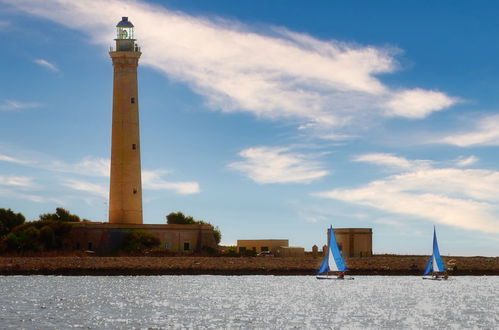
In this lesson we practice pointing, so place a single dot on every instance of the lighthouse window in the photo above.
(134, 146)
(132, 100)
(134, 190)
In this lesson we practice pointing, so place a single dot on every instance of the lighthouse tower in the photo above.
(125, 195)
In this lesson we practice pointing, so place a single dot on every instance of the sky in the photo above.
(268, 119)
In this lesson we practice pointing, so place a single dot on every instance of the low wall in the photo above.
(376, 265)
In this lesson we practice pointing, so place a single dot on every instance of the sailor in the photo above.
(341, 275)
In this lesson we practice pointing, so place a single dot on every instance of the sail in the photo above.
(333, 261)
(435, 264)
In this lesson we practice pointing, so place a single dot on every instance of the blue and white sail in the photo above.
(333, 261)
(435, 264)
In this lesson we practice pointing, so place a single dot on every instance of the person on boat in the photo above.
(341, 275)
(446, 276)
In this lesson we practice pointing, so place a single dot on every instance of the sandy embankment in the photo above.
(92, 265)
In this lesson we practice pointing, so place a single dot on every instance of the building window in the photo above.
(186, 246)
(132, 100)
(77, 245)
(167, 245)
(134, 146)
(134, 191)
(340, 246)
(242, 249)
(89, 246)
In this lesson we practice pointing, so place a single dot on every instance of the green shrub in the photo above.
(47, 237)
(140, 240)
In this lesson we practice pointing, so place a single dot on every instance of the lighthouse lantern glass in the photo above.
(124, 32)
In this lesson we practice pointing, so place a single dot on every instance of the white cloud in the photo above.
(17, 181)
(274, 75)
(152, 180)
(278, 165)
(100, 167)
(392, 161)
(417, 103)
(6, 158)
(46, 64)
(465, 198)
(463, 162)
(92, 188)
(485, 133)
(13, 105)
(88, 166)
(10, 193)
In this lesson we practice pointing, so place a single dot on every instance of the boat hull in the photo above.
(333, 278)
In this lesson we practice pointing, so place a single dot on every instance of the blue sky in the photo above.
(267, 119)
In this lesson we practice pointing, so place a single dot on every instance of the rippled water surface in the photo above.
(276, 302)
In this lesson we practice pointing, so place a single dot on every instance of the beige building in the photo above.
(107, 237)
(125, 189)
(291, 251)
(355, 242)
(259, 245)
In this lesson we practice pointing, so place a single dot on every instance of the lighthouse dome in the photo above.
(124, 23)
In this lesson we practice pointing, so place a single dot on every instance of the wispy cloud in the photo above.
(10, 159)
(46, 64)
(153, 180)
(417, 103)
(392, 161)
(11, 193)
(13, 105)
(100, 167)
(484, 133)
(278, 165)
(326, 82)
(466, 161)
(465, 198)
(92, 188)
(17, 181)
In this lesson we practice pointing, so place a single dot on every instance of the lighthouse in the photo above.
(125, 189)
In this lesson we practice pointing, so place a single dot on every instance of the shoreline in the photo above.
(193, 265)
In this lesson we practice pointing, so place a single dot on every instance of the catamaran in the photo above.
(435, 266)
(333, 261)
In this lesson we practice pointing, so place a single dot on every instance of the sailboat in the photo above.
(333, 261)
(435, 266)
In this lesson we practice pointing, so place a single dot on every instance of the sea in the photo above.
(247, 302)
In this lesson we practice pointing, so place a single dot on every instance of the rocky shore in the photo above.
(192, 265)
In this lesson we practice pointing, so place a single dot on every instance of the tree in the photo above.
(217, 234)
(60, 215)
(47, 237)
(26, 240)
(9, 220)
(140, 240)
(180, 218)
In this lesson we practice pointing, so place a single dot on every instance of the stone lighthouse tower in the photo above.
(125, 196)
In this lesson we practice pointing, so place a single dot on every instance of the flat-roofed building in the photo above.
(108, 237)
(355, 242)
(260, 245)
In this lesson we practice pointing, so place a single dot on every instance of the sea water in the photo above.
(249, 302)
